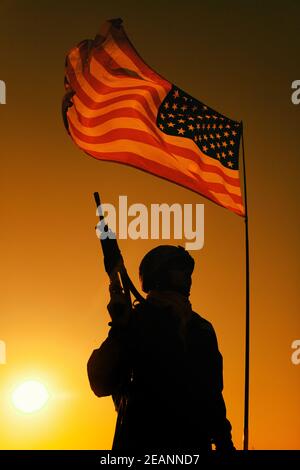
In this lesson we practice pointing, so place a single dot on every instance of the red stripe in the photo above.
(170, 148)
(90, 103)
(117, 134)
(136, 161)
(107, 63)
(140, 136)
(191, 155)
(118, 113)
(103, 89)
(93, 105)
(128, 48)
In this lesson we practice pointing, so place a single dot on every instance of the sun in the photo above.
(30, 396)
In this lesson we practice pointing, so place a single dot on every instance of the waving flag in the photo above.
(117, 108)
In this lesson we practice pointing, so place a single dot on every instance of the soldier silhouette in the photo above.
(161, 364)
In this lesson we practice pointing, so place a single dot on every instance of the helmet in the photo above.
(167, 267)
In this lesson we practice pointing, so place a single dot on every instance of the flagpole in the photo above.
(247, 330)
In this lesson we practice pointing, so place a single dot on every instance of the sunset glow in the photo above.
(30, 396)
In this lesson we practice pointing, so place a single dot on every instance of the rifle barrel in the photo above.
(128, 284)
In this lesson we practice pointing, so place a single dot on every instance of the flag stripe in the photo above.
(110, 67)
(96, 92)
(91, 118)
(123, 44)
(102, 87)
(192, 152)
(136, 161)
(83, 103)
(119, 124)
(226, 201)
(104, 134)
(131, 145)
(155, 163)
(119, 117)
(133, 138)
(85, 127)
(190, 148)
(88, 115)
(96, 69)
(89, 96)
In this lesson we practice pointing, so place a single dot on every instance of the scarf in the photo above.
(178, 304)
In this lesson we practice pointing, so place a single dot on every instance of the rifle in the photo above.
(120, 281)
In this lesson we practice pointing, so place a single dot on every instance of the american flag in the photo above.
(116, 108)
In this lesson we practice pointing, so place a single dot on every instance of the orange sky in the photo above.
(238, 59)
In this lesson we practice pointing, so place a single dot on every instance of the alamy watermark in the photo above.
(295, 96)
(2, 92)
(295, 357)
(162, 221)
(2, 352)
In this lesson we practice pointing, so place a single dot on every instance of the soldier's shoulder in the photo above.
(145, 307)
(202, 323)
